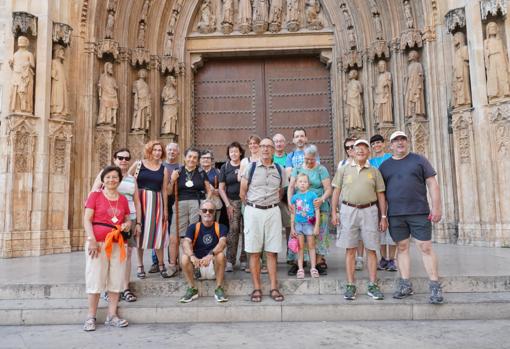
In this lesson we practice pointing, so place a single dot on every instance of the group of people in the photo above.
(157, 202)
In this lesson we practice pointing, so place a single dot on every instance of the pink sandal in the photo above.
(314, 273)
(300, 274)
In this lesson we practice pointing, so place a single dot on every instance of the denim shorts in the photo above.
(303, 228)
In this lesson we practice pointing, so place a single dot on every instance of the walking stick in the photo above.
(176, 200)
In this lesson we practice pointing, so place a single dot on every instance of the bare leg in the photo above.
(429, 259)
(187, 269)
(173, 249)
(384, 253)
(372, 265)
(404, 260)
(393, 252)
(271, 268)
(160, 252)
(350, 257)
(301, 252)
(310, 240)
(113, 301)
(255, 270)
(219, 268)
(93, 299)
(139, 256)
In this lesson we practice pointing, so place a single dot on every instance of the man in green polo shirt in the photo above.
(362, 188)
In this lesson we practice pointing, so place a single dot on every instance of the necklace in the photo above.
(189, 176)
(113, 219)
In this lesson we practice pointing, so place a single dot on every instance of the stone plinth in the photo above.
(136, 142)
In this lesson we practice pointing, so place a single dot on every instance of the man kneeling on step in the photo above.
(204, 256)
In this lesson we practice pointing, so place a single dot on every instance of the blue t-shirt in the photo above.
(206, 240)
(303, 206)
(376, 162)
(296, 158)
(406, 188)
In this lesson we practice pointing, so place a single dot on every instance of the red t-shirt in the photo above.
(104, 212)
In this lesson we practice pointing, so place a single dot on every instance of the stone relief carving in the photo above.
(260, 15)
(408, 14)
(245, 16)
(496, 64)
(167, 47)
(419, 136)
(62, 33)
(379, 34)
(293, 14)
(227, 24)
(373, 7)
(142, 103)
(378, 50)
(140, 56)
(312, 10)
(140, 38)
(462, 126)
(103, 145)
(24, 23)
(145, 11)
(207, 23)
(110, 23)
(108, 100)
(347, 15)
(383, 110)
(411, 38)
(59, 157)
(500, 119)
(455, 19)
(354, 101)
(107, 47)
(170, 65)
(352, 60)
(275, 16)
(493, 7)
(414, 91)
(22, 79)
(461, 81)
(170, 106)
(59, 104)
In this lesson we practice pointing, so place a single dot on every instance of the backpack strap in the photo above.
(197, 231)
(279, 169)
(217, 229)
(252, 170)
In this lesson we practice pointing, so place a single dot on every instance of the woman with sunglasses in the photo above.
(128, 188)
(207, 164)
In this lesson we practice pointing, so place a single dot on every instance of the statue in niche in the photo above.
(373, 7)
(496, 64)
(347, 17)
(228, 16)
(108, 100)
(351, 37)
(170, 106)
(461, 82)
(58, 101)
(260, 15)
(167, 48)
(292, 15)
(312, 10)
(110, 23)
(383, 98)
(275, 16)
(414, 90)
(245, 16)
(145, 11)
(140, 41)
(173, 22)
(408, 14)
(354, 101)
(142, 103)
(378, 27)
(207, 21)
(22, 79)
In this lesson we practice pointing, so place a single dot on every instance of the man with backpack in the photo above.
(261, 189)
(203, 253)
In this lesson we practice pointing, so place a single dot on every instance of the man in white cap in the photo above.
(362, 214)
(408, 176)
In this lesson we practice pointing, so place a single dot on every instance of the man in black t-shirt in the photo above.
(204, 256)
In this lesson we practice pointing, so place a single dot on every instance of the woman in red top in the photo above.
(105, 210)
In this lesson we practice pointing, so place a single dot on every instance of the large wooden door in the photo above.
(234, 98)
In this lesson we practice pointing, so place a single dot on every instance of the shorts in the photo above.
(386, 238)
(416, 225)
(262, 229)
(303, 228)
(359, 224)
(188, 214)
(103, 274)
(284, 211)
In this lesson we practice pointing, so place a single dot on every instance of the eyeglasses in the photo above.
(206, 158)
(127, 158)
(266, 146)
(349, 147)
(208, 210)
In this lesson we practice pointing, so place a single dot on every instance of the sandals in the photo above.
(276, 295)
(116, 322)
(140, 272)
(162, 272)
(314, 273)
(128, 296)
(300, 274)
(90, 324)
(256, 295)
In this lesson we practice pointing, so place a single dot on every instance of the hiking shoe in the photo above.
(436, 293)
(293, 270)
(350, 292)
(190, 295)
(391, 266)
(219, 295)
(115, 321)
(383, 264)
(322, 268)
(359, 263)
(374, 291)
(229, 268)
(154, 269)
(404, 289)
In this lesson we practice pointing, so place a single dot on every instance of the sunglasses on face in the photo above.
(127, 158)
(349, 147)
(208, 210)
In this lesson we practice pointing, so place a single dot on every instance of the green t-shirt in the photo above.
(280, 160)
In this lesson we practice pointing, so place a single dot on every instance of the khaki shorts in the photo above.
(284, 211)
(262, 230)
(359, 224)
(386, 238)
(103, 274)
(188, 214)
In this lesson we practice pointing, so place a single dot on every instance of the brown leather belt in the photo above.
(260, 206)
(359, 206)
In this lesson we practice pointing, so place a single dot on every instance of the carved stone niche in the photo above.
(22, 140)
(24, 23)
(60, 135)
(455, 19)
(500, 120)
(103, 142)
(352, 60)
(462, 133)
(140, 57)
(411, 38)
(107, 47)
(379, 50)
(62, 34)
(419, 133)
(493, 8)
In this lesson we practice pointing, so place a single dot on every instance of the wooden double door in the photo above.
(235, 98)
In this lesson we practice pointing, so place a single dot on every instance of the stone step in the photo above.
(329, 285)
(475, 306)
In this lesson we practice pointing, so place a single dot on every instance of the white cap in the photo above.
(362, 141)
(397, 134)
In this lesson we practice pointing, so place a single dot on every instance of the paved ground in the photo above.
(380, 335)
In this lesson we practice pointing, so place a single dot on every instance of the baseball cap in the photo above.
(362, 141)
(397, 134)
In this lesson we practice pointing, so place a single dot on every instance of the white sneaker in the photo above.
(359, 263)
(229, 268)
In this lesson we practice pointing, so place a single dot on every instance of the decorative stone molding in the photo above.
(24, 23)
(124, 54)
(352, 60)
(107, 47)
(60, 134)
(197, 62)
(169, 65)
(411, 38)
(462, 130)
(326, 57)
(493, 8)
(62, 34)
(103, 142)
(155, 62)
(455, 19)
(379, 50)
(140, 57)
(22, 140)
(500, 120)
(429, 34)
(418, 129)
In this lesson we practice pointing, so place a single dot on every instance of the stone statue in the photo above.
(351, 38)
(414, 90)
(228, 16)
(167, 48)
(145, 11)
(312, 10)
(354, 101)
(170, 106)
(207, 21)
(496, 64)
(245, 16)
(173, 22)
(140, 40)
(22, 78)
(373, 7)
(108, 100)
(260, 15)
(142, 103)
(275, 16)
(383, 98)
(408, 14)
(58, 101)
(292, 15)
(461, 83)
(110, 22)
(378, 27)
